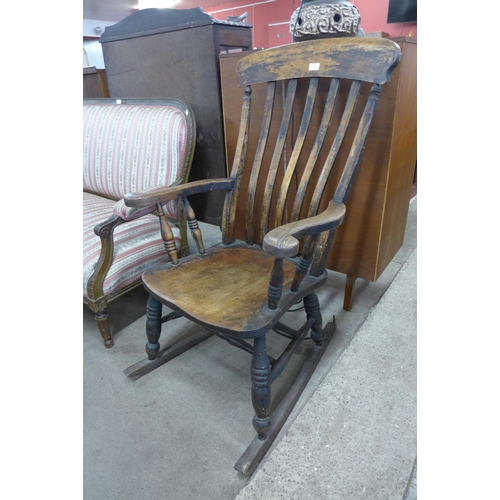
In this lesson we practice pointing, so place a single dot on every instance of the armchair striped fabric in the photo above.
(129, 146)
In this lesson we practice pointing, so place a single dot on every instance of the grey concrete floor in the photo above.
(176, 433)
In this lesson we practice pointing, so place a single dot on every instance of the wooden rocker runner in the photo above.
(241, 288)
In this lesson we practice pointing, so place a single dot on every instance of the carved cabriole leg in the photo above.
(153, 327)
(311, 305)
(261, 390)
(102, 322)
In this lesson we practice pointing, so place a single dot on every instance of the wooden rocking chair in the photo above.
(241, 288)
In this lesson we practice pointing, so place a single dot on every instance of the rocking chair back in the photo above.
(285, 162)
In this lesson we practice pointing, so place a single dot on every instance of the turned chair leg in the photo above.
(102, 322)
(153, 326)
(311, 305)
(261, 387)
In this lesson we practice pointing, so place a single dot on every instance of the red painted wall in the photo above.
(262, 15)
(374, 18)
(270, 18)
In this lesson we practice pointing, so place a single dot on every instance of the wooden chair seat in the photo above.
(225, 289)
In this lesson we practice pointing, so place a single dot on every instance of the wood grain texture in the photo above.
(164, 194)
(373, 229)
(241, 289)
(95, 84)
(283, 242)
(239, 275)
(364, 59)
(242, 274)
(292, 163)
(275, 160)
(257, 163)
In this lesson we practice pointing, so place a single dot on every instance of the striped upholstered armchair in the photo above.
(129, 145)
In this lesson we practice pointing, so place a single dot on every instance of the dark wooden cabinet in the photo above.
(95, 84)
(175, 53)
(377, 209)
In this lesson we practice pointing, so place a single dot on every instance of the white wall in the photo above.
(93, 47)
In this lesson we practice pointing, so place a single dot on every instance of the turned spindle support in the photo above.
(275, 284)
(167, 235)
(193, 225)
(261, 390)
(311, 305)
(153, 327)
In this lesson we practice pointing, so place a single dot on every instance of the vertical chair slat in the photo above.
(347, 177)
(297, 149)
(337, 143)
(316, 148)
(372, 61)
(259, 155)
(358, 146)
(278, 151)
(231, 199)
(325, 241)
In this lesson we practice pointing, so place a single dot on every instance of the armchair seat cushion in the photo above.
(138, 245)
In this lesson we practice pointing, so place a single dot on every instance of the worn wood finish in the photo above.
(377, 208)
(275, 161)
(241, 288)
(291, 172)
(236, 278)
(162, 195)
(228, 216)
(145, 366)
(313, 157)
(363, 59)
(283, 241)
(268, 107)
(374, 231)
(345, 120)
(257, 449)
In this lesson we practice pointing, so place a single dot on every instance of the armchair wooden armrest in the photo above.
(161, 196)
(282, 241)
(165, 194)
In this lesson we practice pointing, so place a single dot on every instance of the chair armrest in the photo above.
(163, 195)
(131, 213)
(282, 241)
